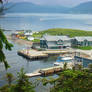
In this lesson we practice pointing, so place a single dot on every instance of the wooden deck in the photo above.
(33, 74)
(45, 72)
(34, 54)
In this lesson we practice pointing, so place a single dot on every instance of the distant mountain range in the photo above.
(25, 7)
(82, 8)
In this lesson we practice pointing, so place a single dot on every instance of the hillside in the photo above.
(59, 31)
(25, 7)
(82, 8)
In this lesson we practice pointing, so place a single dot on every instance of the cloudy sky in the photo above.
(54, 2)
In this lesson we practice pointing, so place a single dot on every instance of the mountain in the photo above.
(85, 8)
(25, 7)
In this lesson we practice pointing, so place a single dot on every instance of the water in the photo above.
(37, 22)
(17, 62)
(42, 21)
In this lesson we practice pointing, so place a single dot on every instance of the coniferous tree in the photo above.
(23, 83)
(4, 43)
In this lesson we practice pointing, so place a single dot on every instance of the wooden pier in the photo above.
(45, 72)
(33, 74)
(34, 54)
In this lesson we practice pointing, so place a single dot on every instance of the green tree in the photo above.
(90, 67)
(73, 68)
(65, 66)
(72, 81)
(1, 1)
(23, 84)
(9, 78)
(4, 44)
(3, 4)
(5, 88)
(80, 67)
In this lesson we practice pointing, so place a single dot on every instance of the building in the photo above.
(82, 41)
(30, 38)
(28, 33)
(55, 42)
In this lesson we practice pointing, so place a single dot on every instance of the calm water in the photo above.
(17, 62)
(37, 22)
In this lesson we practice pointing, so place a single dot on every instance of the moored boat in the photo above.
(61, 60)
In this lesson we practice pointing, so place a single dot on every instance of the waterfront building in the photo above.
(82, 41)
(55, 42)
(28, 33)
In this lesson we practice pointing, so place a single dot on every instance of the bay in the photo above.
(42, 21)
(37, 22)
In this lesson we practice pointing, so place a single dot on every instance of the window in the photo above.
(60, 42)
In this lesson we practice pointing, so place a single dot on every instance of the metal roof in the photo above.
(52, 44)
(88, 38)
(55, 38)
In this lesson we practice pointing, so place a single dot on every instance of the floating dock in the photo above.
(45, 72)
(33, 74)
(51, 70)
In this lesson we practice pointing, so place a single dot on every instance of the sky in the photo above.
(68, 3)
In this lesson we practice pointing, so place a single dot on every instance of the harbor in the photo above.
(34, 65)
(58, 66)
(73, 60)
(49, 39)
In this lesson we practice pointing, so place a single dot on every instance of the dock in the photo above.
(34, 54)
(33, 74)
(54, 52)
(45, 72)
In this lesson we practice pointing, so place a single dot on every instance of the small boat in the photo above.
(61, 60)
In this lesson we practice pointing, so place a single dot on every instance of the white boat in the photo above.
(61, 60)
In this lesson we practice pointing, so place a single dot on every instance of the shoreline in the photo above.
(20, 41)
(30, 43)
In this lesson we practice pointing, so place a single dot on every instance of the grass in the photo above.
(37, 35)
(84, 48)
(59, 31)
(36, 40)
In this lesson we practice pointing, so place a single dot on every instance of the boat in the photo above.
(61, 60)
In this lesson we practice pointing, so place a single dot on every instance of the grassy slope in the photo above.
(84, 48)
(59, 31)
